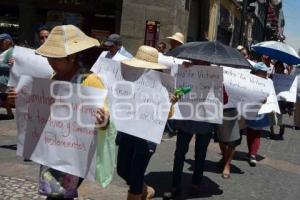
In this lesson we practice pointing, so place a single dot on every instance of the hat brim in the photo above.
(133, 62)
(50, 51)
(176, 39)
(109, 43)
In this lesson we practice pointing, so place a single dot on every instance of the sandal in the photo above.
(225, 176)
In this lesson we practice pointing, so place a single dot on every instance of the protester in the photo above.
(243, 51)
(114, 44)
(161, 47)
(6, 46)
(186, 130)
(135, 153)
(268, 62)
(285, 107)
(228, 136)
(43, 35)
(63, 50)
(256, 126)
(272, 116)
(176, 40)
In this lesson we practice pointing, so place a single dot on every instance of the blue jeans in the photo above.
(182, 147)
(134, 155)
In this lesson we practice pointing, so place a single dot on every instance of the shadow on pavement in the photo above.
(289, 126)
(214, 167)
(11, 147)
(161, 182)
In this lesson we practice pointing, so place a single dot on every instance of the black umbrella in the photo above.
(212, 52)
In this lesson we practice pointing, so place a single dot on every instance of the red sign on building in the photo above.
(152, 33)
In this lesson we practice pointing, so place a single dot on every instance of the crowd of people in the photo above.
(134, 154)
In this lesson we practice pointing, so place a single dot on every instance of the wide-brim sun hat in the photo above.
(64, 41)
(179, 37)
(146, 57)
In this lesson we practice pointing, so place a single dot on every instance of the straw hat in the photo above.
(66, 40)
(146, 57)
(179, 37)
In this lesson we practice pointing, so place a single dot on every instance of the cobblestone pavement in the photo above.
(12, 188)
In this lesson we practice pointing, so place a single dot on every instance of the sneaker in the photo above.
(252, 161)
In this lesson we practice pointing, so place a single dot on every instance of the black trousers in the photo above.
(134, 155)
(182, 147)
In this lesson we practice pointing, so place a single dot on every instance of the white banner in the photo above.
(205, 101)
(271, 104)
(28, 63)
(247, 92)
(285, 87)
(243, 87)
(138, 98)
(56, 124)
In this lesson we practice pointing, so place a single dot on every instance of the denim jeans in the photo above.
(182, 147)
(133, 158)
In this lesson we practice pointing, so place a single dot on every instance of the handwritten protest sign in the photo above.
(285, 87)
(205, 102)
(247, 92)
(138, 98)
(28, 63)
(59, 129)
(243, 87)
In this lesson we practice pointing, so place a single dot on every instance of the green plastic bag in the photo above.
(106, 155)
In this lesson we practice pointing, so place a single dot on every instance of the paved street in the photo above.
(276, 177)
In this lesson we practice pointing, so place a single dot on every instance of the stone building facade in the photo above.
(196, 19)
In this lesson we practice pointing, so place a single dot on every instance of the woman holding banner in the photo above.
(135, 153)
(64, 50)
(255, 126)
(228, 136)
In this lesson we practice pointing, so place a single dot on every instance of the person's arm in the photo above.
(103, 115)
(225, 96)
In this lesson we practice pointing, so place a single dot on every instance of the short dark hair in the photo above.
(44, 28)
(164, 44)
